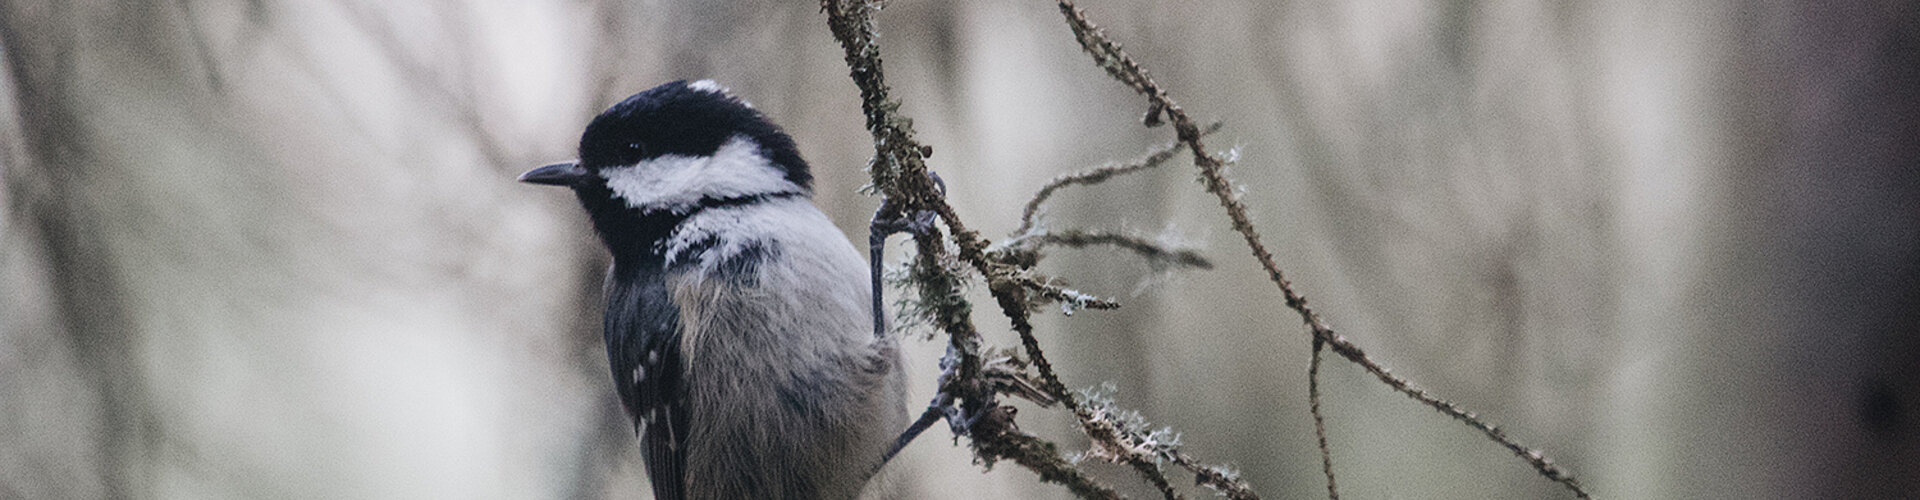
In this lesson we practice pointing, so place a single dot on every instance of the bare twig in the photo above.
(1319, 419)
(1157, 255)
(1154, 158)
(1216, 477)
(1540, 462)
(1025, 251)
(1109, 56)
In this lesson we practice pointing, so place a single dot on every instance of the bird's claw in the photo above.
(888, 220)
(891, 219)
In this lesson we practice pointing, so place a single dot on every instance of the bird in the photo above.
(737, 318)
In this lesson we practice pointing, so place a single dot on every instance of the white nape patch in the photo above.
(726, 232)
(678, 183)
(811, 280)
(708, 86)
(784, 225)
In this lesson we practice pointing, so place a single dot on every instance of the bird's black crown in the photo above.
(688, 119)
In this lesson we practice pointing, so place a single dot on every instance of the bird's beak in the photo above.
(559, 174)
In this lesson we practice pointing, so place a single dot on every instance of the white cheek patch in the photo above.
(678, 183)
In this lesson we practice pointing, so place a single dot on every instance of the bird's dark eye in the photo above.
(625, 153)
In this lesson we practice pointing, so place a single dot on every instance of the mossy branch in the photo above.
(899, 173)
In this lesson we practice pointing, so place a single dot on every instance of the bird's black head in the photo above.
(656, 157)
(685, 119)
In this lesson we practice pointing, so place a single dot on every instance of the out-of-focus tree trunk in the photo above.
(282, 254)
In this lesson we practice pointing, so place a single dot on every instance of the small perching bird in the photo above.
(737, 321)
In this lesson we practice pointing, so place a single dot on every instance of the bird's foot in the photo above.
(890, 219)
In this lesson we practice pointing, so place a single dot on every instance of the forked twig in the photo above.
(1158, 256)
(1319, 419)
(1154, 158)
(1109, 56)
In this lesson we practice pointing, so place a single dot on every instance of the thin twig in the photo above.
(1319, 419)
(1540, 462)
(1066, 295)
(1214, 476)
(1122, 67)
(1154, 158)
(919, 425)
(1157, 255)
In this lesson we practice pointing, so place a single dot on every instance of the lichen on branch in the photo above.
(899, 174)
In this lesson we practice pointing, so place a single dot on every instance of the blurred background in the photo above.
(273, 249)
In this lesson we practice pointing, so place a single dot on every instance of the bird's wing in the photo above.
(643, 348)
